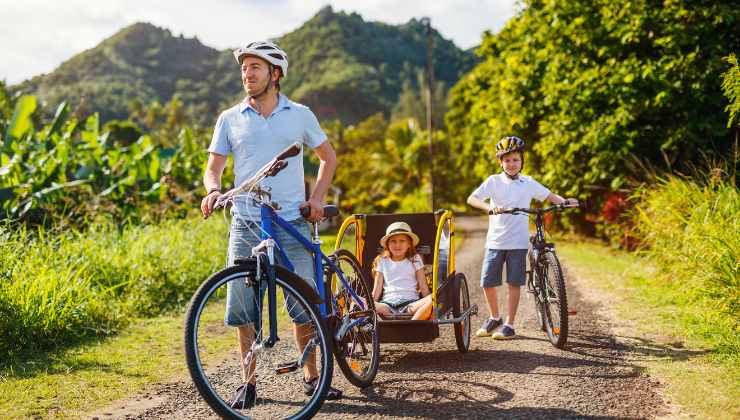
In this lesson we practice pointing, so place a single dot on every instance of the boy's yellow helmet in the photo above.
(508, 145)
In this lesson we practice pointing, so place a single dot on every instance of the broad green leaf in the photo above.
(20, 122)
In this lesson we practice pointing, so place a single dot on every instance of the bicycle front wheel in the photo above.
(358, 346)
(221, 361)
(554, 300)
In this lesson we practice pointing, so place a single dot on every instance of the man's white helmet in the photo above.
(266, 50)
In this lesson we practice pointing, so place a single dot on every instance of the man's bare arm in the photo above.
(327, 166)
(212, 181)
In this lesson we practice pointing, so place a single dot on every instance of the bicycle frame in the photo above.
(268, 219)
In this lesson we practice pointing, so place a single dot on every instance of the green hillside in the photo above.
(341, 66)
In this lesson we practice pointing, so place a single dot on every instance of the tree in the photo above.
(591, 85)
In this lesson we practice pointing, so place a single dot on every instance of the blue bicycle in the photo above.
(337, 318)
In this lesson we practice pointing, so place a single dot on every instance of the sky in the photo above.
(38, 35)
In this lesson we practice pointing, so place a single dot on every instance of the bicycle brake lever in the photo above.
(276, 167)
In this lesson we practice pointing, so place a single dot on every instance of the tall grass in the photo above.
(57, 288)
(691, 229)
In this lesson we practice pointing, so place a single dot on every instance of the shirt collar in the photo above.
(508, 180)
(283, 103)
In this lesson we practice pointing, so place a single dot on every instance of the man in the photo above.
(254, 131)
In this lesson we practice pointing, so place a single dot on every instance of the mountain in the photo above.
(340, 65)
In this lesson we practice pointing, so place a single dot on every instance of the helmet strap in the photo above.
(267, 86)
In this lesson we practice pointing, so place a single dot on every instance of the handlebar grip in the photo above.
(291, 151)
(305, 212)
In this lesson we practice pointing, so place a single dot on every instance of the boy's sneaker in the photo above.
(506, 333)
(487, 328)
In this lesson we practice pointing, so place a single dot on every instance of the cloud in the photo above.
(36, 35)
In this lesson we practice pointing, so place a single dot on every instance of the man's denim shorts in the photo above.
(241, 303)
(493, 267)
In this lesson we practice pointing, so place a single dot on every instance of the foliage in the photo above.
(731, 89)
(383, 167)
(346, 68)
(142, 63)
(413, 98)
(57, 287)
(340, 65)
(590, 84)
(73, 172)
(691, 228)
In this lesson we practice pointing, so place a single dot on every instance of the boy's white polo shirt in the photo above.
(255, 140)
(509, 231)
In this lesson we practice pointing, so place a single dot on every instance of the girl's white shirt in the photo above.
(399, 277)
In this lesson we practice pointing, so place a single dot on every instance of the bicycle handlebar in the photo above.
(516, 210)
(272, 168)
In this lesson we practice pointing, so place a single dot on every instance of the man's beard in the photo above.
(259, 89)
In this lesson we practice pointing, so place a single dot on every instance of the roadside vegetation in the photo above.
(622, 104)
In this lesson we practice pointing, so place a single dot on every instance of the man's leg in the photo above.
(246, 335)
(303, 333)
(241, 301)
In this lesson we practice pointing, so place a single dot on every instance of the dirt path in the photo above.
(594, 377)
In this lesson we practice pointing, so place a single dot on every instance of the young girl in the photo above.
(399, 275)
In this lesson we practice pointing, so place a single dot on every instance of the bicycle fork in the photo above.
(265, 253)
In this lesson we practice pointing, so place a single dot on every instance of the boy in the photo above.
(508, 235)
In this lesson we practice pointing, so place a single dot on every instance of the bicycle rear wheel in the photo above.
(357, 350)
(218, 367)
(555, 301)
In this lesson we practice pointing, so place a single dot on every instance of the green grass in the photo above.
(77, 380)
(691, 230)
(59, 289)
(702, 379)
(89, 372)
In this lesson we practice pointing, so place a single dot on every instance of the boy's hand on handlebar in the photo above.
(317, 210)
(571, 202)
(208, 203)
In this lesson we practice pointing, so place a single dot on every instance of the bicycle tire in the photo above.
(360, 367)
(533, 288)
(459, 306)
(555, 300)
(290, 285)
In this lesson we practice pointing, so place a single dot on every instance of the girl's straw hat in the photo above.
(399, 228)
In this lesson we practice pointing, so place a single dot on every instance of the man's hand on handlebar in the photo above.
(208, 203)
(317, 209)
(571, 202)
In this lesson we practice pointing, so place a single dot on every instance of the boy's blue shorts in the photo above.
(493, 267)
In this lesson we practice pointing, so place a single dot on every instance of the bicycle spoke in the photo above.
(218, 368)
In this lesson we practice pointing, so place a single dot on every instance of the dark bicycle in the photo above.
(337, 319)
(545, 280)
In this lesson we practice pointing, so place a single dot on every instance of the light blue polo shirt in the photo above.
(255, 140)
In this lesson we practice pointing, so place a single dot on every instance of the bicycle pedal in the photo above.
(286, 367)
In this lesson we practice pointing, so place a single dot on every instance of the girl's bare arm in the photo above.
(421, 280)
(377, 286)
